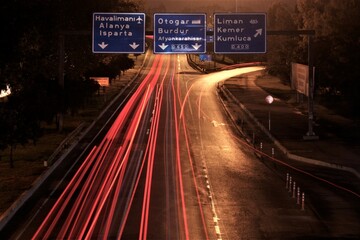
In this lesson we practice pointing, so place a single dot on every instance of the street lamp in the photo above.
(269, 99)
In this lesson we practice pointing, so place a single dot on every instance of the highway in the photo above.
(170, 166)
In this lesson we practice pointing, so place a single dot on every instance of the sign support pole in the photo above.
(310, 135)
(61, 67)
(60, 116)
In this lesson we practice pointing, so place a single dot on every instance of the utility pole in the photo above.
(60, 115)
(62, 35)
(310, 135)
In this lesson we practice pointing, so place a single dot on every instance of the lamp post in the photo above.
(269, 99)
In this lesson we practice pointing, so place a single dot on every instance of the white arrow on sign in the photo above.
(258, 32)
(163, 46)
(103, 45)
(134, 45)
(196, 46)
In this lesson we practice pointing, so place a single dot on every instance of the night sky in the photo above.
(199, 5)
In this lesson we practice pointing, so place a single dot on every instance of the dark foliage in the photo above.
(336, 48)
(29, 62)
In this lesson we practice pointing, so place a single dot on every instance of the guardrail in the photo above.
(282, 148)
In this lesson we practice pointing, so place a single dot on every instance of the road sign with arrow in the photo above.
(179, 33)
(240, 33)
(118, 33)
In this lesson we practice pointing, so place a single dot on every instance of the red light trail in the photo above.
(89, 205)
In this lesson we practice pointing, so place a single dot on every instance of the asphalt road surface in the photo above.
(171, 166)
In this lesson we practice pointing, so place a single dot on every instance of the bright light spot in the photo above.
(224, 75)
(4, 93)
(269, 99)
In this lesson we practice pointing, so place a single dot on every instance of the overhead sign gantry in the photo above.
(118, 33)
(239, 33)
(179, 33)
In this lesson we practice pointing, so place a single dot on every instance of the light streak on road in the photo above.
(213, 79)
(151, 147)
(203, 86)
(145, 178)
(98, 201)
(178, 161)
(100, 174)
(223, 75)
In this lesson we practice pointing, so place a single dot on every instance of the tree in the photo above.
(281, 49)
(29, 62)
(337, 25)
(7, 131)
(18, 124)
(77, 91)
